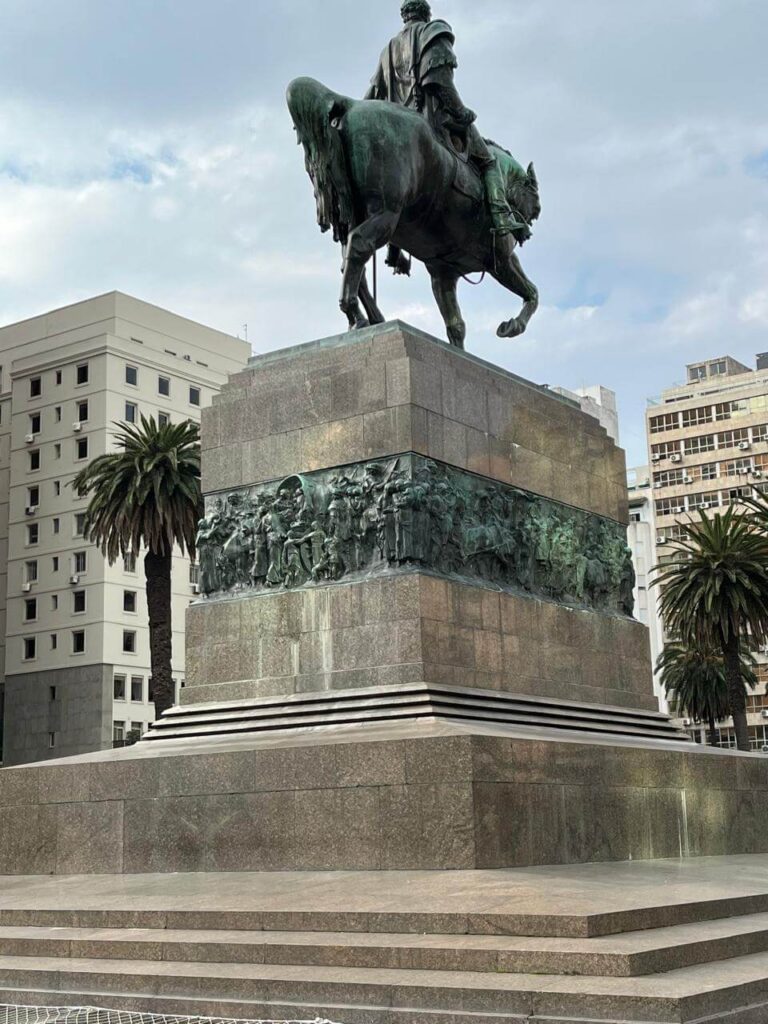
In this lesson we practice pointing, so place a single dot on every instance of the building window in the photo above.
(78, 602)
(119, 688)
(718, 369)
(30, 609)
(30, 571)
(129, 601)
(81, 374)
(129, 641)
(696, 373)
(704, 443)
(33, 533)
(55, 602)
(55, 563)
(131, 412)
(58, 377)
(54, 641)
(81, 448)
(78, 641)
(194, 573)
(118, 733)
(82, 412)
(79, 524)
(34, 460)
(80, 562)
(35, 387)
(132, 375)
(51, 740)
(57, 451)
(695, 417)
(52, 693)
(56, 524)
(33, 496)
(137, 689)
(34, 423)
(57, 488)
(733, 438)
(30, 648)
(129, 563)
(194, 396)
(669, 421)
(164, 386)
(163, 419)
(57, 413)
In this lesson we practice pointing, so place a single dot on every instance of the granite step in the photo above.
(345, 917)
(629, 955)
(736, 989)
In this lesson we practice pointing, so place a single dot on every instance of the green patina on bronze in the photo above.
(406, 167)
(374, 518)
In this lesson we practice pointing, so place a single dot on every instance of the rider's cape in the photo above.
(411, 58)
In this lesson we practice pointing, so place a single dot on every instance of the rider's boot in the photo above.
(504, 221)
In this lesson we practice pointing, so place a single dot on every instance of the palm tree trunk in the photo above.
(714, 736)
(157, 569)
(737, 698)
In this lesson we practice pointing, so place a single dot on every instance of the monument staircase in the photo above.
(417, 773)
(636, 944)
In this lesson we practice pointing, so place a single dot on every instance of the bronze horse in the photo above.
(383, 176)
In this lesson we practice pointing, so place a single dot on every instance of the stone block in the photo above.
(337, 828)
(427, 827)
(89, 838)
(165, 834)
(29, 839)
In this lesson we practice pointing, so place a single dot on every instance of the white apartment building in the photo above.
(708, 447)
(74, 640)
(641, 538)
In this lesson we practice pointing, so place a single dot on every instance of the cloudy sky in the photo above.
(145, 146)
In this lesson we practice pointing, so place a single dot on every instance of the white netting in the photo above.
(96, 1015)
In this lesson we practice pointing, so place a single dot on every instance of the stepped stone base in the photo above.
(423, 795)
(664, 942)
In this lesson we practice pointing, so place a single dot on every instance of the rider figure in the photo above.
(416, 70)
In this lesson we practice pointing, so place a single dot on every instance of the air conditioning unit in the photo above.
(687, 479)
(195, 588)
(687, 722)
(764, 714)
(657, 484)
(29, 438)
(757, 472)
(655, 458)
(680, 508)
(74, 578)
(744, 445)
(26, 587)
(676, 458)
(661, 539)
(30, 510)
(77, 427)
(764, 748)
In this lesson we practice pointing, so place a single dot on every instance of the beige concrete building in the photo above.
(74, 642)
(708, 447)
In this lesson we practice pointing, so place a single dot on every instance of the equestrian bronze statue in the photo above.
(407, 168)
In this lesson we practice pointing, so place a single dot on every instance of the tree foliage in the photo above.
(146, 494)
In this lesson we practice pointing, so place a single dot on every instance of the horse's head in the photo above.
(530, 203)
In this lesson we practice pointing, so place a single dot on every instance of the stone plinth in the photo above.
(392, 389)
(408, 795)
(412, 628)
(387, 401)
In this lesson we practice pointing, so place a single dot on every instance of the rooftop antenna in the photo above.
(245, 331)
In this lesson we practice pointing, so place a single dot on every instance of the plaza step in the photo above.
(643, 918)
(627, 955)
(737, 987)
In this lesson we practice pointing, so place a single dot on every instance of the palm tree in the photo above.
(147, 494)
(694, 681)
(714, 594)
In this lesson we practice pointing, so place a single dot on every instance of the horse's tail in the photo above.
(317, 114)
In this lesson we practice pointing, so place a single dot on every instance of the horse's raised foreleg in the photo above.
(372, 311)
(444, 287)
(363, 241)
(510, 274)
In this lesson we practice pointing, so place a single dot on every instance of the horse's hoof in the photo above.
(456, 335)
(510, 329)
